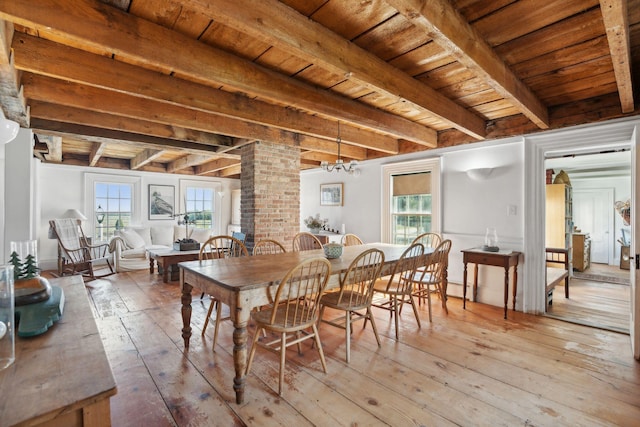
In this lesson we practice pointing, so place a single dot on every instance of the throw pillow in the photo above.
(132, 239)
(201, 234)
(162, 235)
(179, 232)
(143, 232)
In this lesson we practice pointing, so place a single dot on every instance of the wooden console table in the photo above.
(505, 259)
(62, 377)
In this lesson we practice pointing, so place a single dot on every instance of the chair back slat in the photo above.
(222, 247)
(436, 263)
(351, 239)
(356, 286)
(297, 300)
(268, 246)
(405, 269)
(305, 241)
(428, 240)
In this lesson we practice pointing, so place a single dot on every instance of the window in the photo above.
(200, 206)
(411, 196)
(410, 206)
(112, 207)
(118, 196)
(199, 200)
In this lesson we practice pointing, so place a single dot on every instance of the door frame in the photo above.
(580, 139)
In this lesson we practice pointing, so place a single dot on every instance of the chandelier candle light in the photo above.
(351, 168)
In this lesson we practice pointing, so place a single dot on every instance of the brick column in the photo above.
(270, 182)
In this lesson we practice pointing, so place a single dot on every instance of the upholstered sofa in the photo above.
(130, 246)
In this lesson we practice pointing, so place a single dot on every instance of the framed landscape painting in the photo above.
(162, 199)
(331, 194)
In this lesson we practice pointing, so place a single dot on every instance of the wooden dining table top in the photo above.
(245, 273)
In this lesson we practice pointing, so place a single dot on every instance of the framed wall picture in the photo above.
(331, 194)
(162, 201)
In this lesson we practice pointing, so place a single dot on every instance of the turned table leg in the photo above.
(186, 311)
(240, 338)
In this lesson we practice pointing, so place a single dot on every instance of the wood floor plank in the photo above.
(470, 367)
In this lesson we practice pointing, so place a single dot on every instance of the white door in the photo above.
(592, 214)
(634, 326)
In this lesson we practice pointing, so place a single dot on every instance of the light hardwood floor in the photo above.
(595, 303)
(469, 368)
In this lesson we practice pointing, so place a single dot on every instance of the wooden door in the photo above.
(593, 214)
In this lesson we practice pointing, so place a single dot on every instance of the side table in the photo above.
(505, 259)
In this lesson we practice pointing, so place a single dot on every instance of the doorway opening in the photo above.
(595, 234)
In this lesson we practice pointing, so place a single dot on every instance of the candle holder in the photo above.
(491, 240)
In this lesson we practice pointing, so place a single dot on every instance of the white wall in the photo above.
(468, 207)
(63, 187)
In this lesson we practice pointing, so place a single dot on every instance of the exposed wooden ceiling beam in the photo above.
(286, 29)
(64, 114)
(54, 143)
(43, 57)
(145, 157)
(86, 133)
(96, 152)
(13, 104)
(186, 162)
(446, 27)
(215, 166)
(614, 14)
(90, 98)
(105, 28)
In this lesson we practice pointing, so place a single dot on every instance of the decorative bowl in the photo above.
(332, 250)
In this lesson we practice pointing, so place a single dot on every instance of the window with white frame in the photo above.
(411, 200)
(199, 202)
(111, 198)
(113, 207)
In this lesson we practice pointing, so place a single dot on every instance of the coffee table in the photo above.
(167, 258)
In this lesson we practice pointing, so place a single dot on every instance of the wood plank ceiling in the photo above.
(178, 86)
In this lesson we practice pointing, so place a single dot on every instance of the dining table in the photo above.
(244, 283)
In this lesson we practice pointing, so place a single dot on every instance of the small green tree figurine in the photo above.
(30, 269)
(26, 270)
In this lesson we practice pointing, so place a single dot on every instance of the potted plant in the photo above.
(314, 223)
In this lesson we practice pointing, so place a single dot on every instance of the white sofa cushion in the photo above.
(134, 253)
(132, 239)
(162, 235)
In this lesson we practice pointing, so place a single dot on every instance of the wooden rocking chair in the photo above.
(78, 256)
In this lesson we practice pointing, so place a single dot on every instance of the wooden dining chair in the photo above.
(268, 246)
(293, 315)
(391, 292)
(354, 295)
(219, 247)
(432, 277)
(305, 241)
(351, 239)
(428, 240)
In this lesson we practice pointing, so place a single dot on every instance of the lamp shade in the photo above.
(75, 214)
(8, 129)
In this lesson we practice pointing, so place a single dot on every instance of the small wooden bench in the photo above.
(557, 270)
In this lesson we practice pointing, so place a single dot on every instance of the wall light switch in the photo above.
(512, 210)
